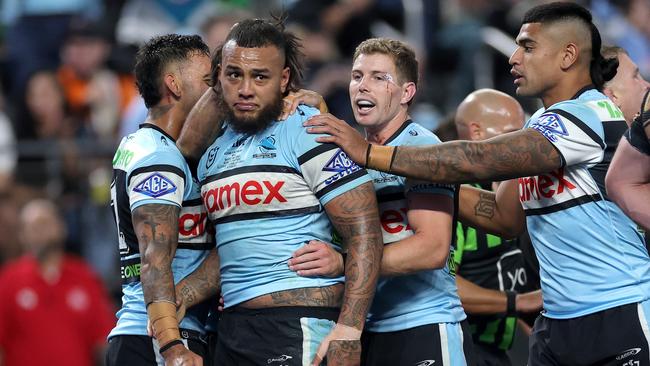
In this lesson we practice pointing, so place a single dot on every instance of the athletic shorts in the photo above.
(137, 350)
(444, 344)
(616, 336)
(490, 356)
(282, 336)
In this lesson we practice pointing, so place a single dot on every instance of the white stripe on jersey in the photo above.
(394, 220)
(562, 185)
(444, 344)
(193, 224)
(256, 192)
(644, 322)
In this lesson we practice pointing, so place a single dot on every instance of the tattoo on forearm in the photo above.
(157, 229)
(521, 153)
(203, 283)
(486, 205)
(355, 217)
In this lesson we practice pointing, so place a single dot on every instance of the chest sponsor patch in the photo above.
(155, 185)
(551, 126)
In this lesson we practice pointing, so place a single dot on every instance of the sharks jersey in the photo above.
(591, 255)
(266, 194)
(426, 297)
(149, 169)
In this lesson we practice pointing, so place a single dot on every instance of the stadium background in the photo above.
(67, 94)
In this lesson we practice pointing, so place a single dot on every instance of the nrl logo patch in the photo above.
(155, 186)
(551, 126)
(340, 162)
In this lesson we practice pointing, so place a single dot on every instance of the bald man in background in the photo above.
(491, 271)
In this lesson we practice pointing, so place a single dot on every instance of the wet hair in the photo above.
(155, 55)
(256, 33)
(601, 69)
(403, 56)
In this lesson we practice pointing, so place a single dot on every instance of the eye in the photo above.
(356, 77)
(260, 77)
(527, 49)
(233, 75)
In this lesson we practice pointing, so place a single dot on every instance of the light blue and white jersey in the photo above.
(426, 297)
(266, 194)
(591, 255)
(148, 168)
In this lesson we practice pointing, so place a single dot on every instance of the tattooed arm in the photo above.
(498, 213)
(516, 154)
(156, 226)
(201, 284)
(355, 217)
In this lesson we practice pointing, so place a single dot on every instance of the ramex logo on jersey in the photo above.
(155, 186)
(551, 126)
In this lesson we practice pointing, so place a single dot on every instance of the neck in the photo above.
(168, 117)
(566, 89)
(380, 133)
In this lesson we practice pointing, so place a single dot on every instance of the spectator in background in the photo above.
(627, 88)
(492, 276)
(92, 92)
(54, 310)
(35, 32)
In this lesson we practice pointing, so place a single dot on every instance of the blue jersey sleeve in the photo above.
(575, 129)
(157, 179)
(327, 170)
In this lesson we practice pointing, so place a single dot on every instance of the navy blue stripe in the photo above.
(315, 152)
(156, 168)
(340, 182)
(564, 205)
(267, 214)
(398, 132)
(581, 125)
(251, 169)
(193, 203)
(390, 197)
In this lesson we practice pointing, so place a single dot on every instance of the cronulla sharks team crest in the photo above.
(266, 147)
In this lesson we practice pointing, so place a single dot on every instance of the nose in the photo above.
(246, 88)
(514, 58)
(363, 84)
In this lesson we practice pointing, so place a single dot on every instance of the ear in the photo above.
(569, 56)
(408, 92)
(475, 131)
(611, 94)
(284, 82)
(173, 85)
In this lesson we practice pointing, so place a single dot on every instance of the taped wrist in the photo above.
(380, 157)
(162, 315)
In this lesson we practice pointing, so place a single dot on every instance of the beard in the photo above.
(259, 122)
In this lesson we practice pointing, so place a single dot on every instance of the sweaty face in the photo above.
(375, 92)
(535, 61)
(253, 82)
(628, 87)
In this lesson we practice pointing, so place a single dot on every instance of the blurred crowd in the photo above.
(67, 91)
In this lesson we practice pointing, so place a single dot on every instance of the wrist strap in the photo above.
(511, 307)
(380, 157)
(170, 345)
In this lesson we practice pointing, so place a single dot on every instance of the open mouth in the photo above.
(365, 105)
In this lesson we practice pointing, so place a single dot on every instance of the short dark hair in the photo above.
(601, 69)
(255, 33)
(155, 55)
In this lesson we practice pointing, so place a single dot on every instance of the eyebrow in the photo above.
(524, 40)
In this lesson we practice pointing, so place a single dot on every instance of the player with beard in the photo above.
(594, 267)
(269, 188)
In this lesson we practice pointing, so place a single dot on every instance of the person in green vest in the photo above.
(491, 271)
